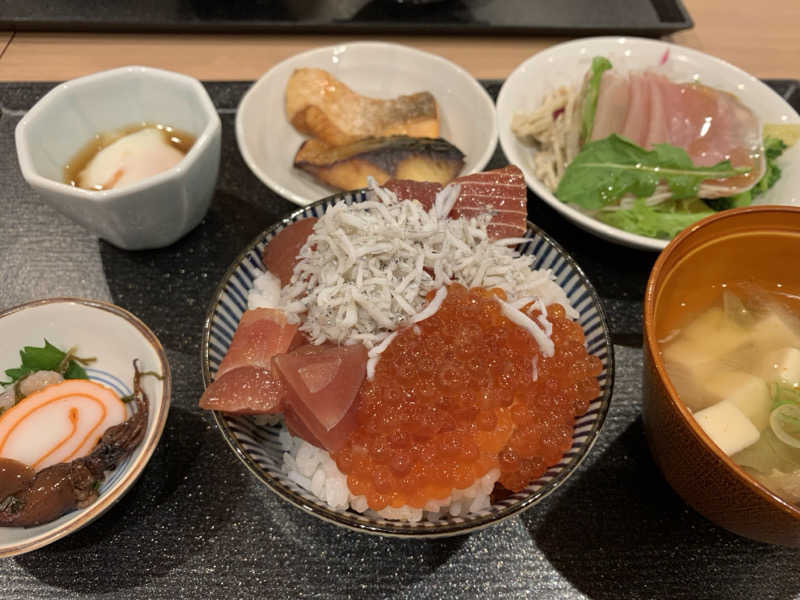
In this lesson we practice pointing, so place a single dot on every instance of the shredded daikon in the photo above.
(367, 267)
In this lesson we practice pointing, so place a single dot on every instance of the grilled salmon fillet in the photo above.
(400, 157)
(321, 106)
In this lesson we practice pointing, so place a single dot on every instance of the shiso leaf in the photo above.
(44, 358)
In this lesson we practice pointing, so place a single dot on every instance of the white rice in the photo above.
(265, 293)
(313, 469)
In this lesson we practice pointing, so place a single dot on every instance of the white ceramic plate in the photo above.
(268, 142)
(566, 64)
(115, 337)
(259, 446)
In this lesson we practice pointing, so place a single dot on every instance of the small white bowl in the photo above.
(567, 63)
(115, 338)
(152, 213)
(268, 142)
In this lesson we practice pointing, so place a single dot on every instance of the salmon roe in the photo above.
(454, 397)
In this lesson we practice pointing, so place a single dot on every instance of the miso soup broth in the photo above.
(736, 366)
(127, 155)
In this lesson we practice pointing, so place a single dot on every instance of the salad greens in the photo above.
(607, 169)
(663, 222)
(604, 175)
(48, 358)
(600, 64)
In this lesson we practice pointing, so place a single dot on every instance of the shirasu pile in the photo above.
(368, 266)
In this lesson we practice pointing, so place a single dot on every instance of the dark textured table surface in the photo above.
(197, 524)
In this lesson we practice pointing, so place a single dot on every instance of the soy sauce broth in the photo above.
(177, 138)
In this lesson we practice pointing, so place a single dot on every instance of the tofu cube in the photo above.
(728, 427)
(691, 358)
(684, 362)
(748, 393)
(781, 365)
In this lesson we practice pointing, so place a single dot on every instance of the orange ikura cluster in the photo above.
(454, 397)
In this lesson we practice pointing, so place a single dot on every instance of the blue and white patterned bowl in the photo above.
(260, 448)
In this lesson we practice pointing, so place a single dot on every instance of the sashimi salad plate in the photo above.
(409, 360)
(635, 140)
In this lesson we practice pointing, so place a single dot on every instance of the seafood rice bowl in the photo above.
(427, 363)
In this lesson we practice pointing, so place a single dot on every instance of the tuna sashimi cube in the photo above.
(297, 428)
(245, 390)
(423, 192)
(502, 193)
(261, 334)
(281, 254)
(323, 383)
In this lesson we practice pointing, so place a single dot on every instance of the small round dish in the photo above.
(260, 446)
(268, 142)
(566, 64)
(115, 338)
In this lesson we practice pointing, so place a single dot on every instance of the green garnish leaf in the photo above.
(16, 374)
(607, 169)
(75, 371)
(47, 358)
(600, 64)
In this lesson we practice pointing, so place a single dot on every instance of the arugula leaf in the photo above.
(664, 221)
(773, 148)
(718, 204)
(600, 64)
(607, 169)
(45, 358)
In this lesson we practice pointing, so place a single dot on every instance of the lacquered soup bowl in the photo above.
(759, 245)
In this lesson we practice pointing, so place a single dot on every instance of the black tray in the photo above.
(568, 17)
(197, 524)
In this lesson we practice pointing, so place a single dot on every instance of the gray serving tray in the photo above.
(197, 524)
